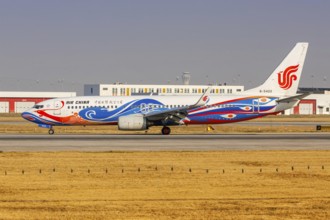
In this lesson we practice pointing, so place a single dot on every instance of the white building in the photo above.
(17, 102)
(314, 104)
(119, 89)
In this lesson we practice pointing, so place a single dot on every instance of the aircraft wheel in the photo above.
(51, 131)
(166, 130)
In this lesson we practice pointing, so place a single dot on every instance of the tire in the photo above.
(51, 131)
(166, 130)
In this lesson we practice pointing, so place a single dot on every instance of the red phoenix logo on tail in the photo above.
(286, 77)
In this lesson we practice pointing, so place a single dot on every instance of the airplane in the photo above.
(276, 94)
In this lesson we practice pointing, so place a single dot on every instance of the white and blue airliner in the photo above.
(276, 94)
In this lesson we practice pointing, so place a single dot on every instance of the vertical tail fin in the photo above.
(285, 79)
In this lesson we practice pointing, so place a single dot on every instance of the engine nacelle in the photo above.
(132, 122)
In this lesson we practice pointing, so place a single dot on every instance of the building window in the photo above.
(105, 89)
(122, 91)
(114, 91)
(91, 90)
(327, 109)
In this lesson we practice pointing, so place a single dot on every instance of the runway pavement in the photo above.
(32, 143)
(245, 123)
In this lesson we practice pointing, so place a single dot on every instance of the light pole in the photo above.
(325, 81)
(60, 82)
(312, 79)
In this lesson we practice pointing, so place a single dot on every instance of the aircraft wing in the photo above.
(177, 114)
(293, 98)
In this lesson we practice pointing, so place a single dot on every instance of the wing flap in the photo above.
(177, 114)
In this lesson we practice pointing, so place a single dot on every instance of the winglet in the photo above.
(203, 99)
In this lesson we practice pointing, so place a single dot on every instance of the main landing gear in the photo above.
(166, 130)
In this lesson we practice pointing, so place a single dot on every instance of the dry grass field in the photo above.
(165, 185)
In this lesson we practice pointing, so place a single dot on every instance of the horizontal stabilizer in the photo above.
(293, 98)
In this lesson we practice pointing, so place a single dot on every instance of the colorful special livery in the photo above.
(277, 94)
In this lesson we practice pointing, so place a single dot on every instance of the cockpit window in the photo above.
(38, 106)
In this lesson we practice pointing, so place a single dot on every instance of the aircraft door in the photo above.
(57, 107)
(255, 106)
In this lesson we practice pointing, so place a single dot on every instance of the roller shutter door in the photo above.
(22, 106)
(4, 107)
(306, 108)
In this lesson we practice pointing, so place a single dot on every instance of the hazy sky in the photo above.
(61, 45)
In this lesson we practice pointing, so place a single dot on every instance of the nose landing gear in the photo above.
(51, 131)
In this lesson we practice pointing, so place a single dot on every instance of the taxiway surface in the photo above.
(303, 141)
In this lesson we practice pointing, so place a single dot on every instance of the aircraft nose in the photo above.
(27, 116)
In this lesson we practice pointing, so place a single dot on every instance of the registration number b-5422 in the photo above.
(266, 91)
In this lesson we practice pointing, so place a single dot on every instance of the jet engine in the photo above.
(132, 122)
